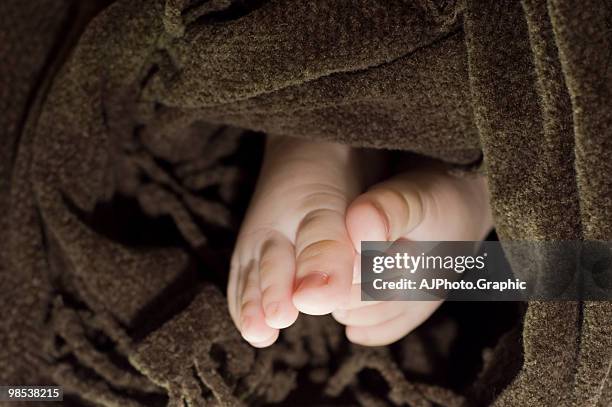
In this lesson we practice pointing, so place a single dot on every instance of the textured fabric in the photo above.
(131, 140)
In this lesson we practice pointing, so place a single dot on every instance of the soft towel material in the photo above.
(128, 170)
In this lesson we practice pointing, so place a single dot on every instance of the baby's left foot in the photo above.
(293, 252)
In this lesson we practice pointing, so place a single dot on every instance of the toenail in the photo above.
(245, 323)
(313, 280)
(384, 218)
(272, 309)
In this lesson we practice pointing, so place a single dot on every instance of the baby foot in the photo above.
(422, 205)
(293, 251)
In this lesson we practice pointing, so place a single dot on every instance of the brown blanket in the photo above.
(124, 173)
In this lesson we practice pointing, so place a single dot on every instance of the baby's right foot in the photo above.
(293, 252)
(425, 204)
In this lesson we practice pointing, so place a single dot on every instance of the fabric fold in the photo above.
(131, 167)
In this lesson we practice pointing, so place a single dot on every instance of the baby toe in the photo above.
(389, 331)
(266, 342)
(252, 324)
(387, 212)
(370, 315)
(277, 274)
(422, 205)
(377, 335)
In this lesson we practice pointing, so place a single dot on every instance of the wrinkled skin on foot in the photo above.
(427, 204)
(293, 253)
(298, 244)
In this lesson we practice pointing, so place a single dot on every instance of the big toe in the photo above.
(421, 205)
(386, 212)
(324, 262)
